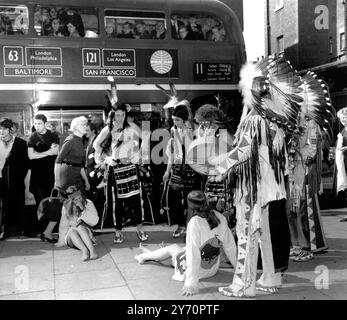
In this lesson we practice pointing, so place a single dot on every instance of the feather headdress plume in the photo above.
(271, 87)
(317, 103)
(172, 95)
(112, 94)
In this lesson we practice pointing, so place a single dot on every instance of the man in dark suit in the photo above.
(14, 165)
(175, 26)
(194, 28)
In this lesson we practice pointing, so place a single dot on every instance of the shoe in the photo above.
(118, 237)
(226, 291)
(344, 219)
(179, 231)
(142, 235)
(303, 256)
(267, 289)
(44, 238)
(294, 251)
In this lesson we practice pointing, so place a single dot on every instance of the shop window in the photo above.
(192, 26)
(14, 20)
(280, 44)
(66, 22)
(135, 24)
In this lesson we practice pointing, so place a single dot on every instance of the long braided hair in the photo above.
(106, 144)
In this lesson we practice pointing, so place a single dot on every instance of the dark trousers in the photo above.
(177, 208)
(133, 204)
(13, 215)
(280, 236)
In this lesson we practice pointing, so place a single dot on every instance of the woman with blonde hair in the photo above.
(69, 165)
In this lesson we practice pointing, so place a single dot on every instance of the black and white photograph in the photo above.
(192, 151)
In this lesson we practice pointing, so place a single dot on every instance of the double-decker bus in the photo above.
(56, 55)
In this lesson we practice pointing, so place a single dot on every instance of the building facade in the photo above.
(312, 34)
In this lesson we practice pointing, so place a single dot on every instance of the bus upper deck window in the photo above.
(135, 25)
(66, 22)
(193, 26)
(14, 20)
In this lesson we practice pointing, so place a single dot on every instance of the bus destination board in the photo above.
(130, 63)
(212, 72)
(32, 61)
(110, 62)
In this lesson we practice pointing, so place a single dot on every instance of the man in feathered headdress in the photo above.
(259, 161)
(317, 113)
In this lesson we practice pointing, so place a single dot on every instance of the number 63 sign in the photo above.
(13, 55)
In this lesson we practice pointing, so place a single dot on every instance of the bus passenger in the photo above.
(119, 29)
(53, 13)
(141, 32)
(43, 147)
(160, 31)
(118, 145)
(217, 34)
(72, 27)
(110, 28)
(21, 23)
(72, 14)
(175, 25)
(207, 27)
(207, 234)
(6, 26)
(194, 28)
(185, 34)
(127, 31)
(69, 165)
(14, 165)
(56, 30)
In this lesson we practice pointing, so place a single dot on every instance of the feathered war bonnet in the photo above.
(317, 103)
(271, 86)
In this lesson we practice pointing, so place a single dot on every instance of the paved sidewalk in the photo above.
(31, 269)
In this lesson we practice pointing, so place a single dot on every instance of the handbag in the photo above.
(49, 208)
(90, 217)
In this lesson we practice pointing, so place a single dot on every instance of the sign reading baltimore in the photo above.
(43, 57)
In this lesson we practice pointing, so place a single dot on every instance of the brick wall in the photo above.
(284, 22)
